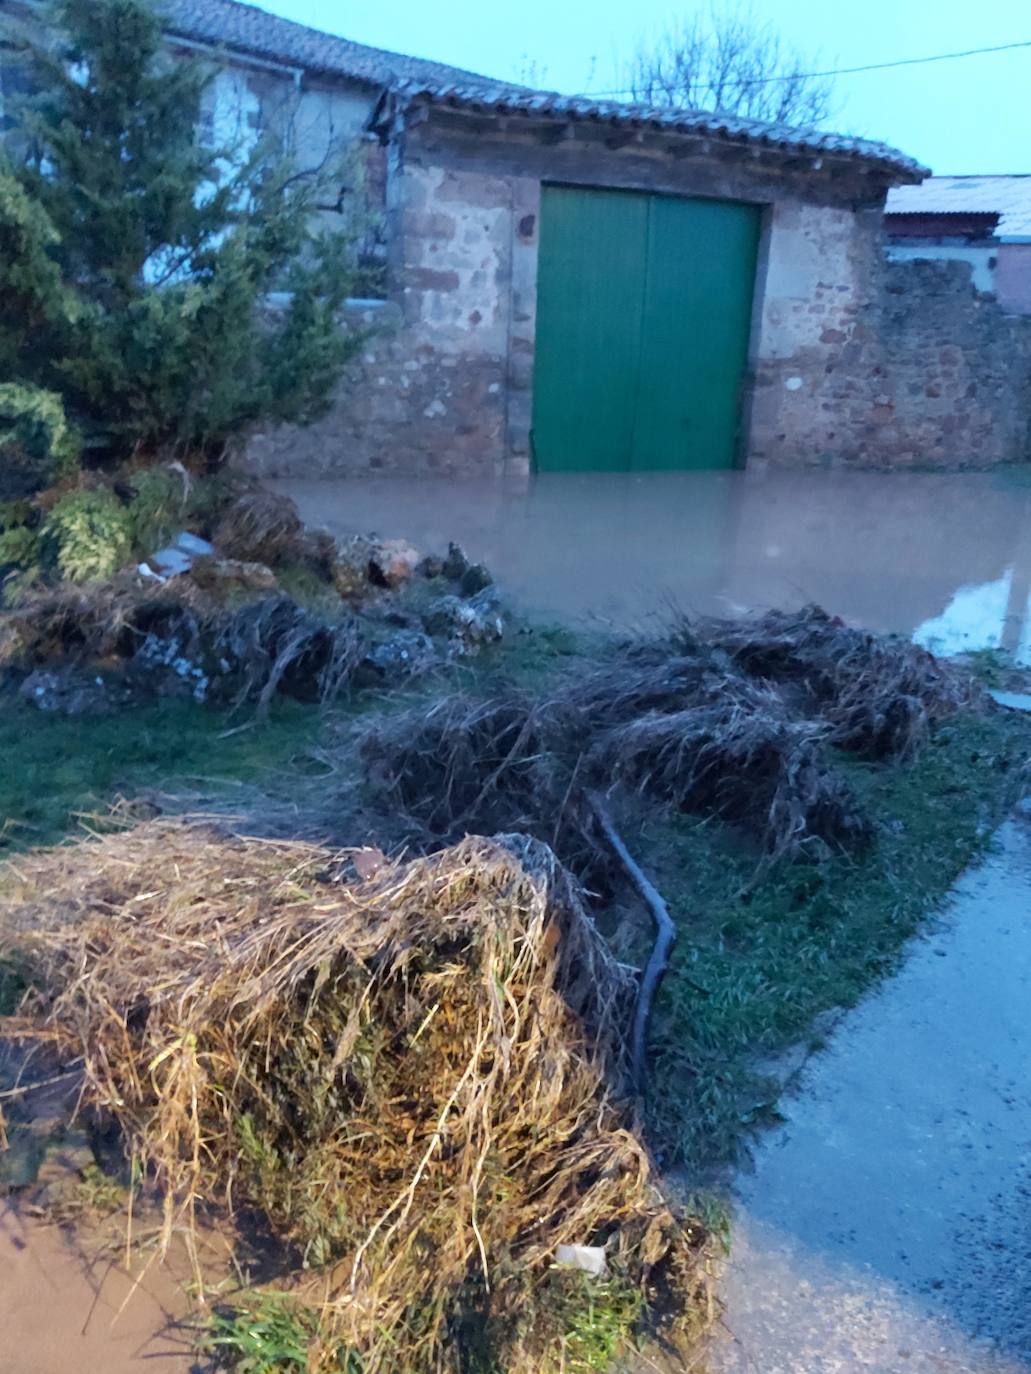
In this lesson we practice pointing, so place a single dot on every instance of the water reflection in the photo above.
(947, 556)
(975, 618)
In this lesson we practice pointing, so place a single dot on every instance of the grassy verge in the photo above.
(758, 962)
(58, 768)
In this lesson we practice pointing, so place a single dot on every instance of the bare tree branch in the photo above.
(726, 60)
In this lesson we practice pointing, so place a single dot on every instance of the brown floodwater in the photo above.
(944, 556)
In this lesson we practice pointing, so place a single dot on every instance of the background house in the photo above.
(983, 220)
(571, 284)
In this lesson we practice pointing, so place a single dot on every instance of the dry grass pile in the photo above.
(740, 757)
(471, 763)
(880, 695)
(416, 1075)
(685, 729)
(731, 719)
(230, 654)
(260, 527)
(275, 645)
(71, 621)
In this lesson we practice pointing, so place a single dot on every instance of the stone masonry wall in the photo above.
(957, 377)
(853, 360)
(925, 371)
(820, 281)
(431, 392)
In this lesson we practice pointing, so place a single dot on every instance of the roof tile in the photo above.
(244, 27)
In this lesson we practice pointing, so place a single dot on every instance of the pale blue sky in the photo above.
(972, 115)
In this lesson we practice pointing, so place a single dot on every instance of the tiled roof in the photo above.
(487, 95)
(1007, 196)
(230, 24)
(246, 28)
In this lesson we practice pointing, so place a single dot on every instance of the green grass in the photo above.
(58, 768)
(599, 1319)
(272, 1333)
(759, 959)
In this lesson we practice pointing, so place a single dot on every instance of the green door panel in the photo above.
(698, 292)
(644, 311)
(591, 268)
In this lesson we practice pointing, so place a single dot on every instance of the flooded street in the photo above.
(887, 1225)
(65, 1310)
(945, 556)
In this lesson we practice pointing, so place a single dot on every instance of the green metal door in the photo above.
(644, 307)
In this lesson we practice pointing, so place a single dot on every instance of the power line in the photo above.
(851, 71)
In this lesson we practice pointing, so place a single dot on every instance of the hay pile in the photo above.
(707, 743)
(180, 639)
(417, 1076)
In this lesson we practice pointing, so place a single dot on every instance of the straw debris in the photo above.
(261, 527)
(707, 743)
(881, 695)
(735, 720)
(419, 1076)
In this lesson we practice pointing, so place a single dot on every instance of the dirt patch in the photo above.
(67, 1309)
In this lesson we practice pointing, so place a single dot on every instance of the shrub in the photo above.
(91, 532)
(19, 547)
(137, 261)
(159, 506)
(37, 445)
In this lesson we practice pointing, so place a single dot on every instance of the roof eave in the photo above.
(895, 167)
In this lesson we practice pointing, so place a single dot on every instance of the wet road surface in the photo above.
(887, 1225)
(947, 556)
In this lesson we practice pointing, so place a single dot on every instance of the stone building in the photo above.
(984, 220)
(570, 284)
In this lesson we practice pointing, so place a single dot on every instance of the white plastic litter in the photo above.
(177, 557)
(589, 1258)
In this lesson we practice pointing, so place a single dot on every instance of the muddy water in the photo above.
(947, 557)
(887, 1225)
(67, 1308)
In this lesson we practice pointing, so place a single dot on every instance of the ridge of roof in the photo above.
(248, 28)
(245, 27)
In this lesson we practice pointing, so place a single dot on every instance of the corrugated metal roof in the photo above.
(1007, 196)
(246, 28)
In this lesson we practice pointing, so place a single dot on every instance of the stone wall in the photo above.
(820, 280)
(449, 389)
(927, 371)
(432, 391)
(853, 360)
(955, 387)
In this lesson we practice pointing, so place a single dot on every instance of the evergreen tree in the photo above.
(140, 260)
